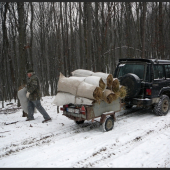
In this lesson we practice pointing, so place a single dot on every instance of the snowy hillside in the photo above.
(138, 139)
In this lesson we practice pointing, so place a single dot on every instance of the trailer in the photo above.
(106, 112)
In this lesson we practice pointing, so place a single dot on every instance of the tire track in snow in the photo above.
(67, 132)
(131, 113)
(47, 138)
(112, 152)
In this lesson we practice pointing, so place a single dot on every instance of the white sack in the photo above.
(94, 80)
(75, 87)
(24, 100)
(77, 78)
(102, 75)
(68, 85)
(86, 90)
(65, 98)
(82, 100)
(82, 73)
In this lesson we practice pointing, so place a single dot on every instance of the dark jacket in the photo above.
(33, 87)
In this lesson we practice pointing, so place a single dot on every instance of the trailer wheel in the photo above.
(108, 124)
(79, 122)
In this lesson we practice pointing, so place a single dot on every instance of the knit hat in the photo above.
(30, 71)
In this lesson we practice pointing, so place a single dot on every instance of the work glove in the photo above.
(27, 95)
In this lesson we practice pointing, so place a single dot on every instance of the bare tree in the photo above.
(161, 37)
(143, 30)
(21, 42)
(54, 37)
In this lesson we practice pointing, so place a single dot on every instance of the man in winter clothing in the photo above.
(34, 95)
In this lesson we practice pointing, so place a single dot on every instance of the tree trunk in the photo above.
(31, 38)
(21, 30)
(85, 33)
(161, 44)
(89, 58)
(144, 30)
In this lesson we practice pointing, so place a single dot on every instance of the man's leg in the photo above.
(30, 110)
(39, 107)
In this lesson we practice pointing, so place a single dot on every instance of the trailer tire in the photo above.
(79, 122)
(108, 124)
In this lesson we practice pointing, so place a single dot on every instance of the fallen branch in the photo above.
(11, 123)
(5, 131)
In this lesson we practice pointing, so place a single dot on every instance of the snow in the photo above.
(138, 139)
(121, 65)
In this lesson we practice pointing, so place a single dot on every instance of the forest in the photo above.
(54, 37)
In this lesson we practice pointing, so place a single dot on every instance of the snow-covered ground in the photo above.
(138, 139)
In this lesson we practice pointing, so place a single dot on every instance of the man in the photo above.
(33, 94)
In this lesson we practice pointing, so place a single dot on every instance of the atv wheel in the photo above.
(108, 124)
(162, 107)
(79, 122)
